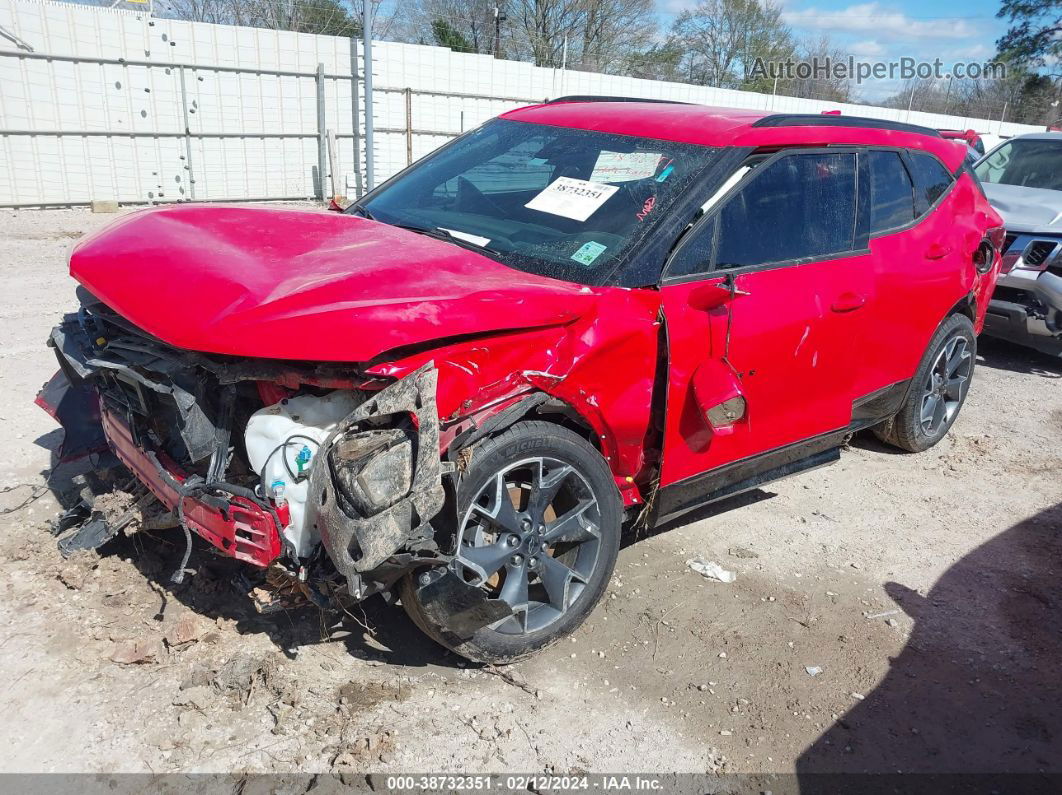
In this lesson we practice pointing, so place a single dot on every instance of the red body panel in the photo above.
(248, 533)
(298, 284)
(603, 365)
(793, 355)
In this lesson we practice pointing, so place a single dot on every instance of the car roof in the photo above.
(1038, 136)
(715, 126)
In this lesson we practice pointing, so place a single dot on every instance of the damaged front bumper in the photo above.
(375, 480)
(234, 524)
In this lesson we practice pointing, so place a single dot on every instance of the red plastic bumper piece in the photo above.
(248, 533)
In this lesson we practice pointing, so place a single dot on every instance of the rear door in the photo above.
(764, 305)
(920, 262)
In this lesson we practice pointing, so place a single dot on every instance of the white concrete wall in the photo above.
(49, 96)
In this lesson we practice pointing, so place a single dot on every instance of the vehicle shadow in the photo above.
(1002, 355)
(977, 689)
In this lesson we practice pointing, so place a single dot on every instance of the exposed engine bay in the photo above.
(271, 462)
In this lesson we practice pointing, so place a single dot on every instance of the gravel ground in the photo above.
(925, 587)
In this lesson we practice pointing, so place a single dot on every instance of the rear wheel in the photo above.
(539, 520)
(938, 389)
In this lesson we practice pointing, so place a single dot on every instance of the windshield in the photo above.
(1029, 162)
(554, 201)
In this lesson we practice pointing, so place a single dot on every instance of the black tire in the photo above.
(908, 429)
(493, 457)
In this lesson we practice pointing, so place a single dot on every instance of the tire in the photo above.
(566, 555)
(934, 393)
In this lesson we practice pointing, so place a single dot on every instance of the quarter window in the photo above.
(931, 180)
(892, 200)
(801, 206)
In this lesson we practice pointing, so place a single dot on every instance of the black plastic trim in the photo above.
(818, 120)
(747, 474)
(596, 98)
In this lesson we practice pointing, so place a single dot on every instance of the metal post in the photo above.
(322, 133)
(366, 32)
(409, 126)
(187, 137)
(355, 123)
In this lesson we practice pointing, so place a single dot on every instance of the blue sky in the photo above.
(883, 30)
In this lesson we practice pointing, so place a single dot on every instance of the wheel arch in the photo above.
(967, 305)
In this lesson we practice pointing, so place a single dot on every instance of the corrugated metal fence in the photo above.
(109, 104)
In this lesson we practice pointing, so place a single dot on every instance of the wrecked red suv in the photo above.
(581, 313)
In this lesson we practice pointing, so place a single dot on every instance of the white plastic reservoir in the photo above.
(282, 440)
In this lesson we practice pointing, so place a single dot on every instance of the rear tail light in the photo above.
(984, 257)
(999, 238)
(996, 243)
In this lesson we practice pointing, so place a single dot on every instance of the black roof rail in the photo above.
(832, 120)
(596, 98)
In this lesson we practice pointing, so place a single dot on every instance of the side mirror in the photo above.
(335, 206)
(706, 297)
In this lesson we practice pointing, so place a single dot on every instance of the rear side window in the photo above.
(931, 180)
(799, 207)
(892, 197)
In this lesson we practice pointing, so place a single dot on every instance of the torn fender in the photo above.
(379, 479)
(602, 365)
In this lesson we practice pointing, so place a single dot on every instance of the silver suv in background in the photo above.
(1022, 178)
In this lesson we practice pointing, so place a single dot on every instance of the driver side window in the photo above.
(801, 206)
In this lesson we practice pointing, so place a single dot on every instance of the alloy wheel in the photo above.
(946, 385)
(531, 537)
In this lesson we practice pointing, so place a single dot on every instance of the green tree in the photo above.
(326, 17)
(446, 35)
(1035, 35)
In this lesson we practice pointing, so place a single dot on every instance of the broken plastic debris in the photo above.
(710, 570)
(882, 615)
(813, 670)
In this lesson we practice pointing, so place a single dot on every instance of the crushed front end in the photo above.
(320, 469)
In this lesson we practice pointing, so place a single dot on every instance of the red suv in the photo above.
(583, 312)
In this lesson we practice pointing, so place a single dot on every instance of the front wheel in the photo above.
(539, 519)
(938, 389)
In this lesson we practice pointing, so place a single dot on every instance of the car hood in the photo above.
(306, 285)
(1031, 210)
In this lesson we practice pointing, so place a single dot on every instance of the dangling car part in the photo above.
(376, 483)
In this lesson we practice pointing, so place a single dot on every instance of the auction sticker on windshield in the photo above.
(572, 198)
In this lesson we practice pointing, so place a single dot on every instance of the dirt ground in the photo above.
(926, 588)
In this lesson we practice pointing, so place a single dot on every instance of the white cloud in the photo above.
(975, 52)
(875, 18)
(866, 49)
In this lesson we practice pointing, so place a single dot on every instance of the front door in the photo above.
(764, 305)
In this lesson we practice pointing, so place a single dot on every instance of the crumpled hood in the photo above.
(305, 284)
(1031, 210)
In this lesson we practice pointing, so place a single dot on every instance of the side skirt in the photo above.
(747, 474)
(750, 473)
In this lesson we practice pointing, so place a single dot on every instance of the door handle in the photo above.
(937, 251)
(848, 302)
